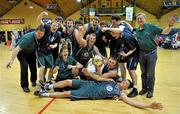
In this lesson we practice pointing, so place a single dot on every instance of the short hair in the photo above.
(40, 28)
(103, 23)
(70, 20)
(78, 22)
(96, 18)
(64, 46)
(59, 18)
(116, 17)
(130, 84)
(141, 14)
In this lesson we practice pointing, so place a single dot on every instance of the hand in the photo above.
(52, 46)
(155, 105)
(104, 29)
(69, 66)
(8, 65)
(123, 54)
(45, 13)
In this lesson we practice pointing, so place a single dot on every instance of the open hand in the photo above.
(156, 105)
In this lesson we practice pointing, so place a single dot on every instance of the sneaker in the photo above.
(142, 92)
(33, 84)
(43, 85)
(149, 94)
(26, 89)
(39, 93)
(133, 93)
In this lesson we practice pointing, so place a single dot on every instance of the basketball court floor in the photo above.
(167, 91)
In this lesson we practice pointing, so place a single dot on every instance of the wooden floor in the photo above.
(167, 91)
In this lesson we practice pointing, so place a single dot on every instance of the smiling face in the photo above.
(91, 40)
(64, 53)
(39, 34)
(140, 19)
(54, 27)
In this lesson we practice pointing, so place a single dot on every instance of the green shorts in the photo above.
(45, 60)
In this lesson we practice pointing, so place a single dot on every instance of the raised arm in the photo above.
(153, 105)
(40, 16)
(79, 37)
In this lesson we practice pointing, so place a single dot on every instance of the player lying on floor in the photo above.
(107, 88)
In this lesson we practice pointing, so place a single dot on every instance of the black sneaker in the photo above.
(149, 94)
(39, 93)
(133, 93)
(33, 84)
(26, 89)
(142, 92)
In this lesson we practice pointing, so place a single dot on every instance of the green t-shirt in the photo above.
(28, 43)
(147, 36)
(64, 72)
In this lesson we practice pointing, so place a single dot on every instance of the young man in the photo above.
(25, 52)
(125, 37)
(84, 54)
(95, 90)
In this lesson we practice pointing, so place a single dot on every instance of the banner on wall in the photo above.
(129, 13)
(92, 12)
(11, 21)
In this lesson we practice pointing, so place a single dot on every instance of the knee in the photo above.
(68, 82)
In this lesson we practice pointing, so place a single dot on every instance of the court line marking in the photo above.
(46, 106)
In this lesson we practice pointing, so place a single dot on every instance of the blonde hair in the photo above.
(141, 14)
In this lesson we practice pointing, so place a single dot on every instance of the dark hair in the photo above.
(116, 17)
(130, 84)
(40, 28)
(70, 20)
(59, 18)
(78, 22)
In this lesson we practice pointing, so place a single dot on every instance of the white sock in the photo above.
(46, 94)
(135, 86)
(51, 86)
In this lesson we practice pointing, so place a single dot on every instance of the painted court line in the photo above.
(46, 106)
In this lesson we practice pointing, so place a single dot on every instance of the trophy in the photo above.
(97, 60)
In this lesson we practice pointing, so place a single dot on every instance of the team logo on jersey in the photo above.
(109, 88)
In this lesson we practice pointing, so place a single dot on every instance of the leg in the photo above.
(123, 70)
(60, 94)
(152, 58)
(33, 68)
(24, 71)
(143, 66)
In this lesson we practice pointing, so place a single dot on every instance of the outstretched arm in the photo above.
(94, 76)
(153, 105)
(13, 56)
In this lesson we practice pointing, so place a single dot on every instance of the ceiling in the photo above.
(154, 7)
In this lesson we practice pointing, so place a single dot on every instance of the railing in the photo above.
(110, 11)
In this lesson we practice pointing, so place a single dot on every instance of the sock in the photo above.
(135, 86)
(51, 86)
(46, 94)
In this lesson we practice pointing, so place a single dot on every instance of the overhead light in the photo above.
(31, 6)
(78, 0)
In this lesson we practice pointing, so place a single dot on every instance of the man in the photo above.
(146, 35)
(84, 54)
(131, 53)
(94, 90)
(73, 37)
(92, 27)
(48, 47)
(25, 52)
